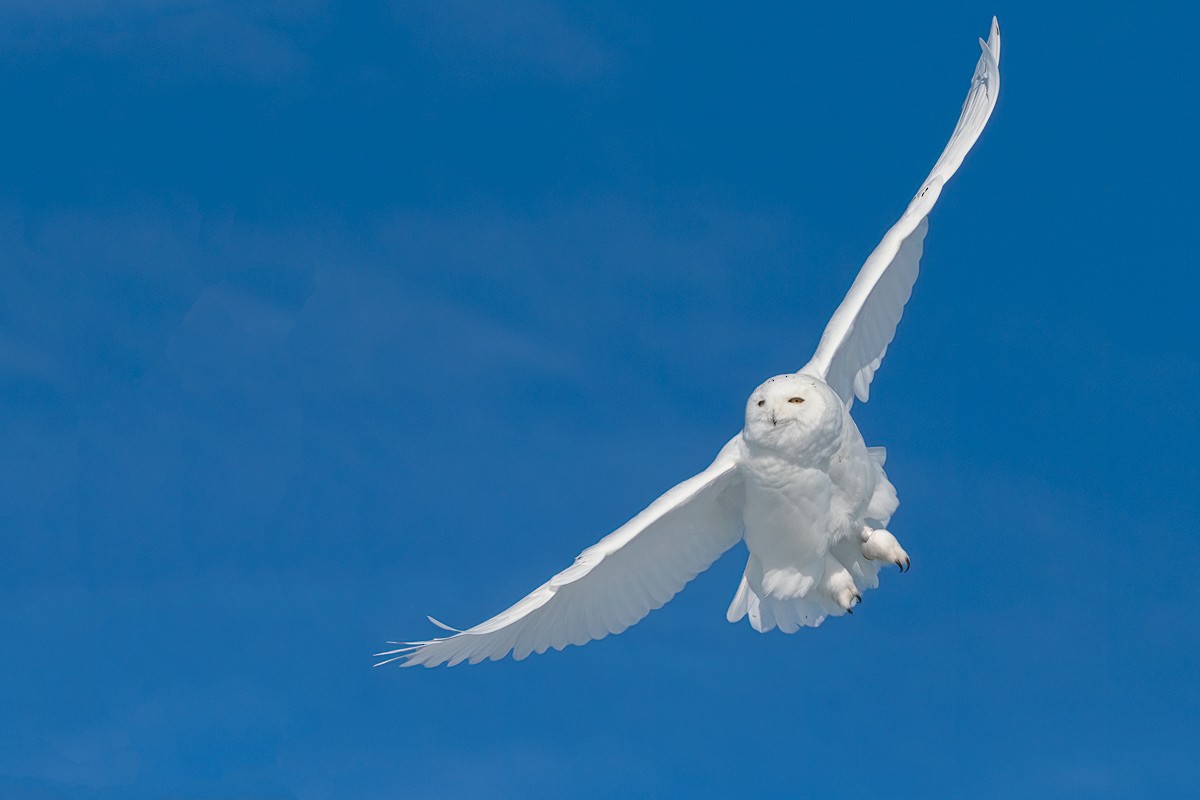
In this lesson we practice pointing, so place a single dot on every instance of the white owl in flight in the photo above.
(798, 483)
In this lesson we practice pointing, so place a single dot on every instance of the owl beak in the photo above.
(773, 421)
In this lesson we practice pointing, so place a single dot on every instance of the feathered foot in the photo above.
(880, 545)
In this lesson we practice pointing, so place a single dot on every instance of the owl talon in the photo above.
(880, 545)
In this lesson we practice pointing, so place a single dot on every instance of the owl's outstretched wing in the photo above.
(615, 582)
(858, 334)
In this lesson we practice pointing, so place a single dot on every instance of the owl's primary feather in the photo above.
(798, 483)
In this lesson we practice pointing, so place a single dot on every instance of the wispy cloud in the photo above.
(532, 36)
(167, 41)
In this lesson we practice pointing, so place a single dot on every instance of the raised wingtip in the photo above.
(993, 42)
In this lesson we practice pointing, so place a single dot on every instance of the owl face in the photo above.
(793, 413)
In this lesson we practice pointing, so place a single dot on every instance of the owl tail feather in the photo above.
(767, 612)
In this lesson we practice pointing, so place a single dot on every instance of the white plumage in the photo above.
(798, 483)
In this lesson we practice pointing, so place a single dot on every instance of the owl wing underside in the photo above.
(614, 583)
(857, 336)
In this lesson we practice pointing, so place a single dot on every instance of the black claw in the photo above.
(849, 610)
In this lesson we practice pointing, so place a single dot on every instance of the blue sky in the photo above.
(319, 318)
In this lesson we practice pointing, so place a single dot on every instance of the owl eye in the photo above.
(796, 400)
(762, 403)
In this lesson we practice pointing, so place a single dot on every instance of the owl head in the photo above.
(794, 413)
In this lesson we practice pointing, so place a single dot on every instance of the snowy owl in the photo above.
(798, 483)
